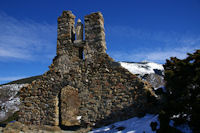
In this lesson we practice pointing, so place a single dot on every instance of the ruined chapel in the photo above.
(84, 86)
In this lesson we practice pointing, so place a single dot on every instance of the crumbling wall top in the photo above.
(95, 16)
(68, 14)
(94, 35)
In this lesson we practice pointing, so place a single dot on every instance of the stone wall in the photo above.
(90, 91)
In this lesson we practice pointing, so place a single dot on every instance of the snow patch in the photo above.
(138, 125)
(79, 118)
(133, 125)
(184, 128)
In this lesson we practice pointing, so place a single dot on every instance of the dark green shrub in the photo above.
(182, 91)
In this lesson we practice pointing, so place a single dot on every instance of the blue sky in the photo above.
(136, 30)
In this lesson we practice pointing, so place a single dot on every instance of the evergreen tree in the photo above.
(183, 91)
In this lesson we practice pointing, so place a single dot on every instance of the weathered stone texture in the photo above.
(94, 35)
(70, 104)
(95, 87)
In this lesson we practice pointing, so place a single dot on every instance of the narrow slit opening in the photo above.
(81, 54)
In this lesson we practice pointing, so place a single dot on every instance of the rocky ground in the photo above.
(17, 127)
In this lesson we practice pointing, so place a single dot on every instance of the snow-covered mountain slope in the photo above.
(142, 68)
(149, 71)
(9, 102)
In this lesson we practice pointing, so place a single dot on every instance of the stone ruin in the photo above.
(84, 86)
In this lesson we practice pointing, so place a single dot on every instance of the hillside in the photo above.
(23, 81)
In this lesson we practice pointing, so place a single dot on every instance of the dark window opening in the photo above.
(72, 35)
(81, 53)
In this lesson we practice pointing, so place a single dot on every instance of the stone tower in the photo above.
(94, 35)
(84, 86)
